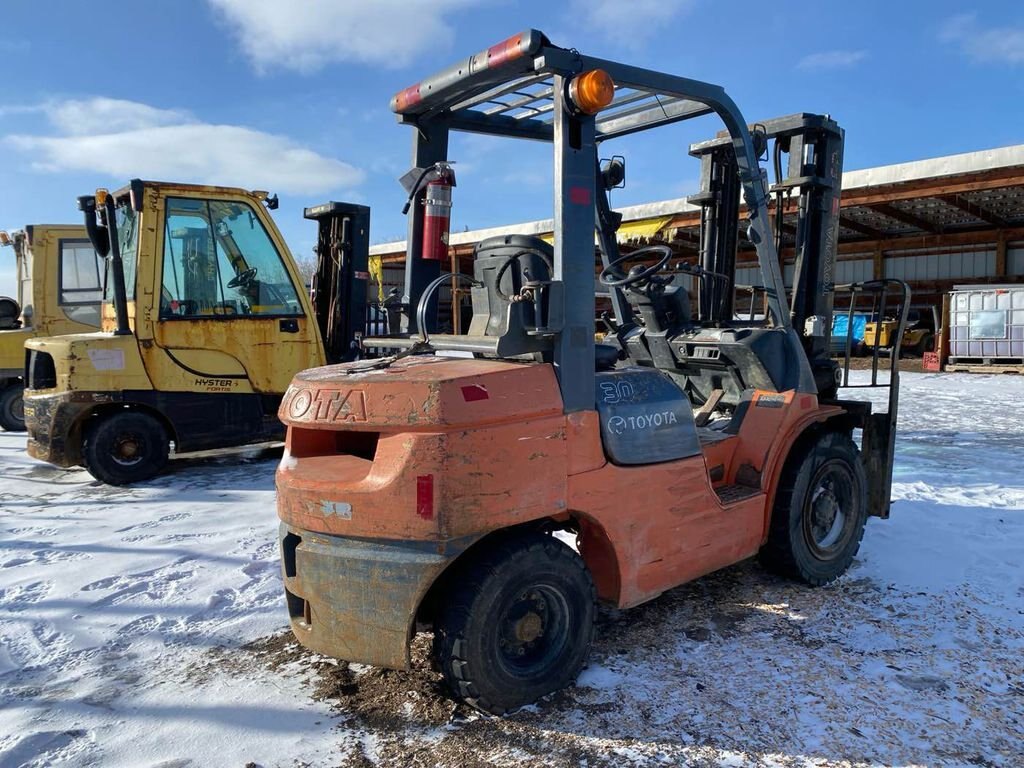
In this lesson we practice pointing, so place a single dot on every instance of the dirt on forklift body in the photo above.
(422, 491)
(204, 321)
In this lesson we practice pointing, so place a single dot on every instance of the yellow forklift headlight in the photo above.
(101, 197)
(5, 239)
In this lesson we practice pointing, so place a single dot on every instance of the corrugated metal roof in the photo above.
(944, 207)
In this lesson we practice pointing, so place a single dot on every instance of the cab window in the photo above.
(127, 238)
(81, 284)
(219, 261)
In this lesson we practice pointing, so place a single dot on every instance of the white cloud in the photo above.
(79, 118)
(306, 35)
(126, 139)
(831, 60)
(1000, 44)
(628, 21)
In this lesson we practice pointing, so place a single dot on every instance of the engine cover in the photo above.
(645, 417)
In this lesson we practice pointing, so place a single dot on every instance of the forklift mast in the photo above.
(338, 289)
(719, 201)
(811, 173)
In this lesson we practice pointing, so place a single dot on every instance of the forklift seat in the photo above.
(531, 261)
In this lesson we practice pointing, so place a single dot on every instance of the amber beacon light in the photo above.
(592, 91)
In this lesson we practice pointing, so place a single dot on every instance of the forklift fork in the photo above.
(887, 296)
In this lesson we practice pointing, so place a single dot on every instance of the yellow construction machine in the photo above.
(59, 287)
(919, 336)
(204, 322)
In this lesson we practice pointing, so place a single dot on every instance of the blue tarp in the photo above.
(839, 325)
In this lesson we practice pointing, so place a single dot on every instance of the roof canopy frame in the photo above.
(447, 100)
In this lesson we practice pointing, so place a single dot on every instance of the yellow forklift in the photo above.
(205, 320)
(919, 335)
(59, 286)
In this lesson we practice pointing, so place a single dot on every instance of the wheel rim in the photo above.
(128, 449)
(829, 511)
(533, 631)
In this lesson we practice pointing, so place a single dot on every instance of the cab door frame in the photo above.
(219, 378)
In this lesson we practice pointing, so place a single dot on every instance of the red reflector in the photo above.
(407, 98)
(504, 51)
(425, 496)
(473, 392)
(579, 195)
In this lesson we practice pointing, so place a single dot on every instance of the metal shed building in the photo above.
(934, 223)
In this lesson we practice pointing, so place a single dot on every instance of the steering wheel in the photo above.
(242, 278)
(612, 274)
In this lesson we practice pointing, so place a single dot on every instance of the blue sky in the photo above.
(293, 96)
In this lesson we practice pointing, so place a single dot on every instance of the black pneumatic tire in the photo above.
(820, 511)
(12, 408)
(125, 448)
(517, 624)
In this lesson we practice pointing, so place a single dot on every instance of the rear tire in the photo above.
(12, 408)
(125, 448)
(820, 511)
(517, 624)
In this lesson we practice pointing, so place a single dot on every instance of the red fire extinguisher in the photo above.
(437, 212)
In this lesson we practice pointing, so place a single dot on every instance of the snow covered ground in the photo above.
(142, 627)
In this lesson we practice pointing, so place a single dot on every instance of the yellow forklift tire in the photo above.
(820, 511)
(926, 344)
(12, 408)
(517, 623)
(125, 447)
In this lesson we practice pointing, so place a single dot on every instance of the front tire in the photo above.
(12, 408)
(820, 511)
(125, 448)
(517, 624)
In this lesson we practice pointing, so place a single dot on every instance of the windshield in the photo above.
(127, 237)
(219, 259)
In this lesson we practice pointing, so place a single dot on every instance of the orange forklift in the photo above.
(422, 490)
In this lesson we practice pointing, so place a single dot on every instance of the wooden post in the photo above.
(879, 268)
(1001, 254)
(943, 346)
